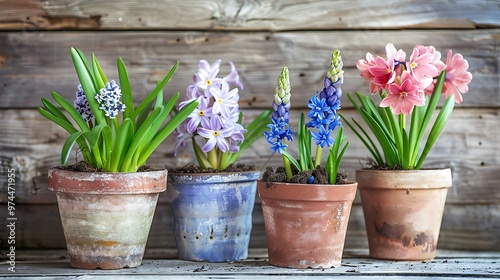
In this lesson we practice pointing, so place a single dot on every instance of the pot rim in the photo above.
(210, 178)
(404, 179)
(308, 192)
(422, 170)
(60, 180)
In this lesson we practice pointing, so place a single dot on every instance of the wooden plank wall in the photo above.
(260, 37)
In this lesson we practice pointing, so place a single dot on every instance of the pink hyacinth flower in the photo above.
(457, 76)
(436, 60)
(383, 72)
(420, 65)
(394, 54)
(402, 98)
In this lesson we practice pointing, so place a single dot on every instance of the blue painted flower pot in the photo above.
(212, 214)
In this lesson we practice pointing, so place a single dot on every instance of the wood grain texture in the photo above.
(159, 264)
(34, 64)
(246, 15)
(31, 144)
(464, 227)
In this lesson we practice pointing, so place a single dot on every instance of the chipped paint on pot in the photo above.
(106, 217)
(212, 214)
(403, 210)
(306, 224)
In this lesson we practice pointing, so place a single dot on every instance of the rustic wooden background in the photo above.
(260, 37)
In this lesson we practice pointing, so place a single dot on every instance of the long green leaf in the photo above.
(414, 145)
(365, 139)
(122, 142)
(70, 129)
(101, 131)
(254, 132)
(54, 110)
(432, 104)
(68, 145)
(139, 135)
(155, 92)
(87, 65)
(165, 131)
(291, 159)
(71, 110)
(125, 88)
(98, 74)
(86, 80)
(436, 129)
(200, 156)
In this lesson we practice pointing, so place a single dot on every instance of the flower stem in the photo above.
(319, 152)
(288, 168)
(212, 158)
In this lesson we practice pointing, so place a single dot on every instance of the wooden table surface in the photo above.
(161, 264)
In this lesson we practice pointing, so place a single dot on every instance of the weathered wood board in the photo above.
(355, 265)
(34, 64)
(31, 145)
(260, 37)
(247, 15)
(39, 226)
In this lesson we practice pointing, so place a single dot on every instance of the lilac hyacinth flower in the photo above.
(216, 136)
(201, 114)
(81, 104)
(109, 99)
(224, 99)
(233, 78)
(206, 75)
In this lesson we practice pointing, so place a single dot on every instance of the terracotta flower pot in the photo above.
(106, 217)
(403, 211)
(306, 224)
(212, 214)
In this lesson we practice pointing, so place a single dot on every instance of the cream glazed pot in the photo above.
(106, 217)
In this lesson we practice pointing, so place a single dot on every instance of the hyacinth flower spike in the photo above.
(280, 129)
(323, 117)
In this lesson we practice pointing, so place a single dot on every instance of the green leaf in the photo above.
(254, 132)
(54, 110)
(436, 129)
(414, 145)
(432, 104)
(97, 131)
(122, 142)
(70, 129)
(99, 76)
(71, 110)
(405, 153)
(168, 128)
(87, 65)
(125, 88)
(155, 92)
(143, 115)
(365, 139)
(68, 145)
(138, 137)
(86, 80)
(200, 156)
(288, 156)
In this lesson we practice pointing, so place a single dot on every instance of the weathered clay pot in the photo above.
(212, 214)
(306, 224)
(403, 211)
(106, 217)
